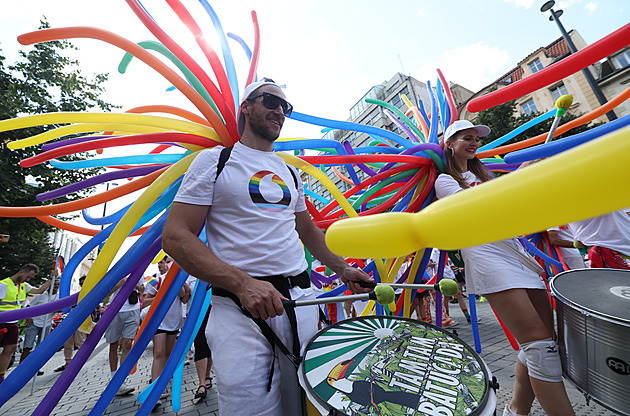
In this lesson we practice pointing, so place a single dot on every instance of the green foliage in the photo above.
(42, 81)
(501, 120)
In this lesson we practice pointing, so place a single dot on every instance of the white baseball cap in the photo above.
(460, 125)
(249, 90)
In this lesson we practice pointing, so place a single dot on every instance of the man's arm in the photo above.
(313, 239)
(557, 241)
(180, 242)
(41, 289)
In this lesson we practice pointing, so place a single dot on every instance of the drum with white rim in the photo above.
(385, 365)
(593, 308)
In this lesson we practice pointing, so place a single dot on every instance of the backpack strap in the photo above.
(225, 155)
(223, 158)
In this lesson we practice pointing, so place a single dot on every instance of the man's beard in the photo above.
(258, 127)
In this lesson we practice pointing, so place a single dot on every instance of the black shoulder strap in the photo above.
(225, 155)
(223, 158)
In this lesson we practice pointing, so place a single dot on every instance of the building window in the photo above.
(558, 91)
(529, 107)
(536, 66)
(623, 59)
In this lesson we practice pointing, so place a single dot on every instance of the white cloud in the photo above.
(422, 13)
(521, 3)
(591, 7)
(473, 66)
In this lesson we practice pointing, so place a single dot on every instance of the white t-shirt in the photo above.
(174, 318)
(572, 256)
(489, 268)
(435, 257)
(42, 321)
(251, 222)
(126, 306)
(610, 231)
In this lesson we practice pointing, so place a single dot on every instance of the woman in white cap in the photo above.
(510, 279)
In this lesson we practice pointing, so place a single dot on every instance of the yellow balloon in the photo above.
(127, 222)
(509, 206)
(159, 257)
(81, 128)
(126, 118)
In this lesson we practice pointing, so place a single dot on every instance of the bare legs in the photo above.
(527, 314)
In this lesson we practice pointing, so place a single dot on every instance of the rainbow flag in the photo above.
(153, 281)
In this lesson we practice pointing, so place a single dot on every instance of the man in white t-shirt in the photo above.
(562, 238)
(256, 219)
(122, 330)
(607, 237)
(38, 327)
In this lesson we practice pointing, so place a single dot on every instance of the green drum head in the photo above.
(383, 365)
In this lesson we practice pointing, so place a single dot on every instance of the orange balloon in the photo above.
(168, 109)
(78, 229)
(145, 56)
(565, 127)
(90, 201)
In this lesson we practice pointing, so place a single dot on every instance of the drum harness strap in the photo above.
(282, 284)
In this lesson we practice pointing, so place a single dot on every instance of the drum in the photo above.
(593, 308)
(385, 365)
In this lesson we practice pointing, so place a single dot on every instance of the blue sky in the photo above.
(328, 53)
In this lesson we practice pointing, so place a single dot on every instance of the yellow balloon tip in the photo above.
(564, 101)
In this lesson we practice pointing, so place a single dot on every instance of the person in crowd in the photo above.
(166, 334)
(13, 292)
(253, 207)
(562, 238)
(510, 280)
(74, 342)
(38, 327)
(607, 239)
(122, 331)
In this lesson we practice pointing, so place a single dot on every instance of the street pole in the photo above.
(555, 16)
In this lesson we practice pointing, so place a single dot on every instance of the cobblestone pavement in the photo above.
(92, 379)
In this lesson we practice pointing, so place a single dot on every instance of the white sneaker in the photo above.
(450, 324)
(125, 389)
(508, 412)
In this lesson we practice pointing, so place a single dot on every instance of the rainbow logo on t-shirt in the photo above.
(259, 199)
(152, 280)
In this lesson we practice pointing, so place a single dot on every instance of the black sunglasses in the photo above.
(272, 102)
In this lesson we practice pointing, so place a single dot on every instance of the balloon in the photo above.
(495, 201)
(561, 69)
(112, 161)
(517, 131)
(553, 148)
(89, 32)
(449, 97)
(37, 310)
(625, 94)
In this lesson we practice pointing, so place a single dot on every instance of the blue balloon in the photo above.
(517, 131)
(559, 146)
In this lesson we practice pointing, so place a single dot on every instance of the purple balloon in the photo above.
(61, 143)
(95, 180)
(69, 374)
(38, 310)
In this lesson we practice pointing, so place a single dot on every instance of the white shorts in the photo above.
(242, 358)
(124, 325)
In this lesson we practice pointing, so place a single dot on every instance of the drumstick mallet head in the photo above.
(382, 294)
(448, 287)
(562, 105)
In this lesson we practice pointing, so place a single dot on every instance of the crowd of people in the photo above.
(254, 260)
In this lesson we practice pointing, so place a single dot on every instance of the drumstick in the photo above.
(382, 294)
(448, 287)
(562, 105)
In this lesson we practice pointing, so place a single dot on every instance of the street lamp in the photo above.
(555, 17)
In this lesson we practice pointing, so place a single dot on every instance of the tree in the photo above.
(43, 81)
(501, 120)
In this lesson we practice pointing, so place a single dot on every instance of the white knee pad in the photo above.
(522, 357)
(543, 360)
